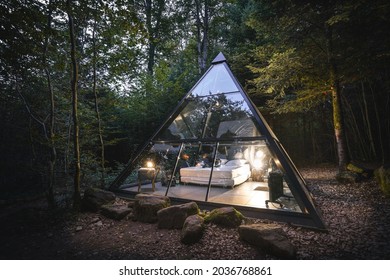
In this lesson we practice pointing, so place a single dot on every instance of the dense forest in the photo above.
(84, 83)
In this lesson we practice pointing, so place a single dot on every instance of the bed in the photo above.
(233, 173)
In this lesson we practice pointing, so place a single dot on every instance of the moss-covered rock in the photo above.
(382, 175)
(362, 170)
(225, 216)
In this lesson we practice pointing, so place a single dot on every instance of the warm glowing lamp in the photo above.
(149, 164)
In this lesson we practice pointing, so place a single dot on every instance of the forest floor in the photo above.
(357, 216)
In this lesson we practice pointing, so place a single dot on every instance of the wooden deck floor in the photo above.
(251, 194)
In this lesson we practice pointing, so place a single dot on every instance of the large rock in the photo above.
(364, 171)
(382, 175)
(268, 238)
(94, 198)
(192, 230)
(175, 216)
(347, 177)
(225, 216)
(116, 212)
(146, 207)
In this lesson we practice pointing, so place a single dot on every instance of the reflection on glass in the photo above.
(216, 81)
(192, 173)
(158, 163)
(248, 176)
(220, 116)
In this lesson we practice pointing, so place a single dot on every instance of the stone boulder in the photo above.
(347, 177)
(382, 175)
(146, 206)
(175, 216)
(268, 238)
(116, 212)
(192, 230)
(225, 216)
(94, 198)
(363, 170)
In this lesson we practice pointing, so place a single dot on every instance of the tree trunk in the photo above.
(338, 121)
(100, 133)
(153, 31)
(74, 81)
(151, 48)
(53, 151)
(202, 27)
(339, 128)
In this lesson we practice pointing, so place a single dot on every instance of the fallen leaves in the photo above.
(357, 216)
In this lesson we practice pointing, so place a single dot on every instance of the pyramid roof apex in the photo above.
(219, 59)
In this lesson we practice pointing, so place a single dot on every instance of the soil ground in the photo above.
(357, 216)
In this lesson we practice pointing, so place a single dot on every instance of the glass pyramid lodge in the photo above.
(216, 149)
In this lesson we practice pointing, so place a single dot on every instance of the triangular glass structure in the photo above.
(217, 149)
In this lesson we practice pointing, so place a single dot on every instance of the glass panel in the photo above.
(188, 124)
(216, 81)
(247, 175)
(217, 116)
(153, 171)
(229, 116)
(192, 174)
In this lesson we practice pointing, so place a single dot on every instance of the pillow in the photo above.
(236, 162)
(238, 155)
(223, 161)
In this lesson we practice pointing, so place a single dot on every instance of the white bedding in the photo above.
(225, 175)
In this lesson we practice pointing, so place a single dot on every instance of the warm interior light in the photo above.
(258, 163)
(149, 164)
(259, 154)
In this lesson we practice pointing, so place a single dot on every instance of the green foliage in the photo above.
(277, 51)
(288, 81)
(281, 73)
(304, 46)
